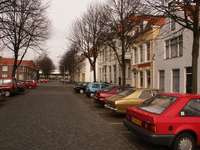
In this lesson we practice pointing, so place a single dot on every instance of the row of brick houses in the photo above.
(26, 71)
(162, 60)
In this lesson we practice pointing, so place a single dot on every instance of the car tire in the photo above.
(8, 94)
(91, 95)
(81, 91)
(30, 87)
(183, 140)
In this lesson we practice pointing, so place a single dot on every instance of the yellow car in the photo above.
(129, 98)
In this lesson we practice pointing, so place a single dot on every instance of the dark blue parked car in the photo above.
(92, 87)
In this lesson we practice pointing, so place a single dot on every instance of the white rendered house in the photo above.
(173, 59)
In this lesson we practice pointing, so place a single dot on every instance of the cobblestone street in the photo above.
(54, 117)
(51, 117)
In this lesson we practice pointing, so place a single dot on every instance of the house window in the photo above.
(4, 68)
(173, 24)
(141, 53)
(21, 69)
(148, 44)
(110, 73)
(148, 76)
(162, 79)
(135, 55)
(174, 47)
(105, 54)
(129, 49)
(176, 80)
(110, 53)
(4, 75)
(100, 74)
(115, 76)
(141, 78)
(21, 77)
(129, 69)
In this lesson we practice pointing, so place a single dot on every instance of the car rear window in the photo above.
(5, 81)
(157, 104)
(96, 86)
(85, 84)
(127, 92)
(108, 88)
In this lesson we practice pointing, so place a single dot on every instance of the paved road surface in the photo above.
(54, 117)
(50, 117)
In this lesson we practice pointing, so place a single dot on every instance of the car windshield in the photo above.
(157, 104)
(126, 92)
(108, 88)
(85, 84)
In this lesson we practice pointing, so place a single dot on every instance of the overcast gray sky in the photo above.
(62, 13)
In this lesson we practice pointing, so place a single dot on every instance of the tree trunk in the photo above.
(14, 65)
(195, 56)
(123, 69)
(94, 69)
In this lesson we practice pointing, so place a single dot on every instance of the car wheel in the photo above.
(81, 91)
(91, 95)
(30, 87)
(8, 93)
(184, 141)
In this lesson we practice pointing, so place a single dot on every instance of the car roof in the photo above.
(185, 95)
(143, 89)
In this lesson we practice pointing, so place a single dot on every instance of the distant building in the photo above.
(26, 71)
(56, 74)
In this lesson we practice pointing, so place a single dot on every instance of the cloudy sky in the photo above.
(62, 13)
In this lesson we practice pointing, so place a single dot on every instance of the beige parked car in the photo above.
(129, 98)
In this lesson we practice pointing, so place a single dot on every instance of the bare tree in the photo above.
(120, 21)
(45, 64)
(69, 61)
(3, 5)
(80, 64)
(24, 25)
(190, 20)
(86, 33)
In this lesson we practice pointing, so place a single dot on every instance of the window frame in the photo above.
(174, 47)
(21, 70)
(148, 51)
(176, 80)
(5, 68)
(162, 76)
(141, 52)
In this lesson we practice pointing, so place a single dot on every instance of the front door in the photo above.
(83, 77)
(189, 83)
(189, 80)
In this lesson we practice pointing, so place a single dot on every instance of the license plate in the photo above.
(136, 121)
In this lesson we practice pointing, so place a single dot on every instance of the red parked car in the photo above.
(169, 119)
(28, 84)
(9, 84)
(42, 80)
(100, 95)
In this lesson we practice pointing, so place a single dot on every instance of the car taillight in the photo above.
(149, 126)
(128, 117)
(89, 90)
(114, 106)
(99, 94)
